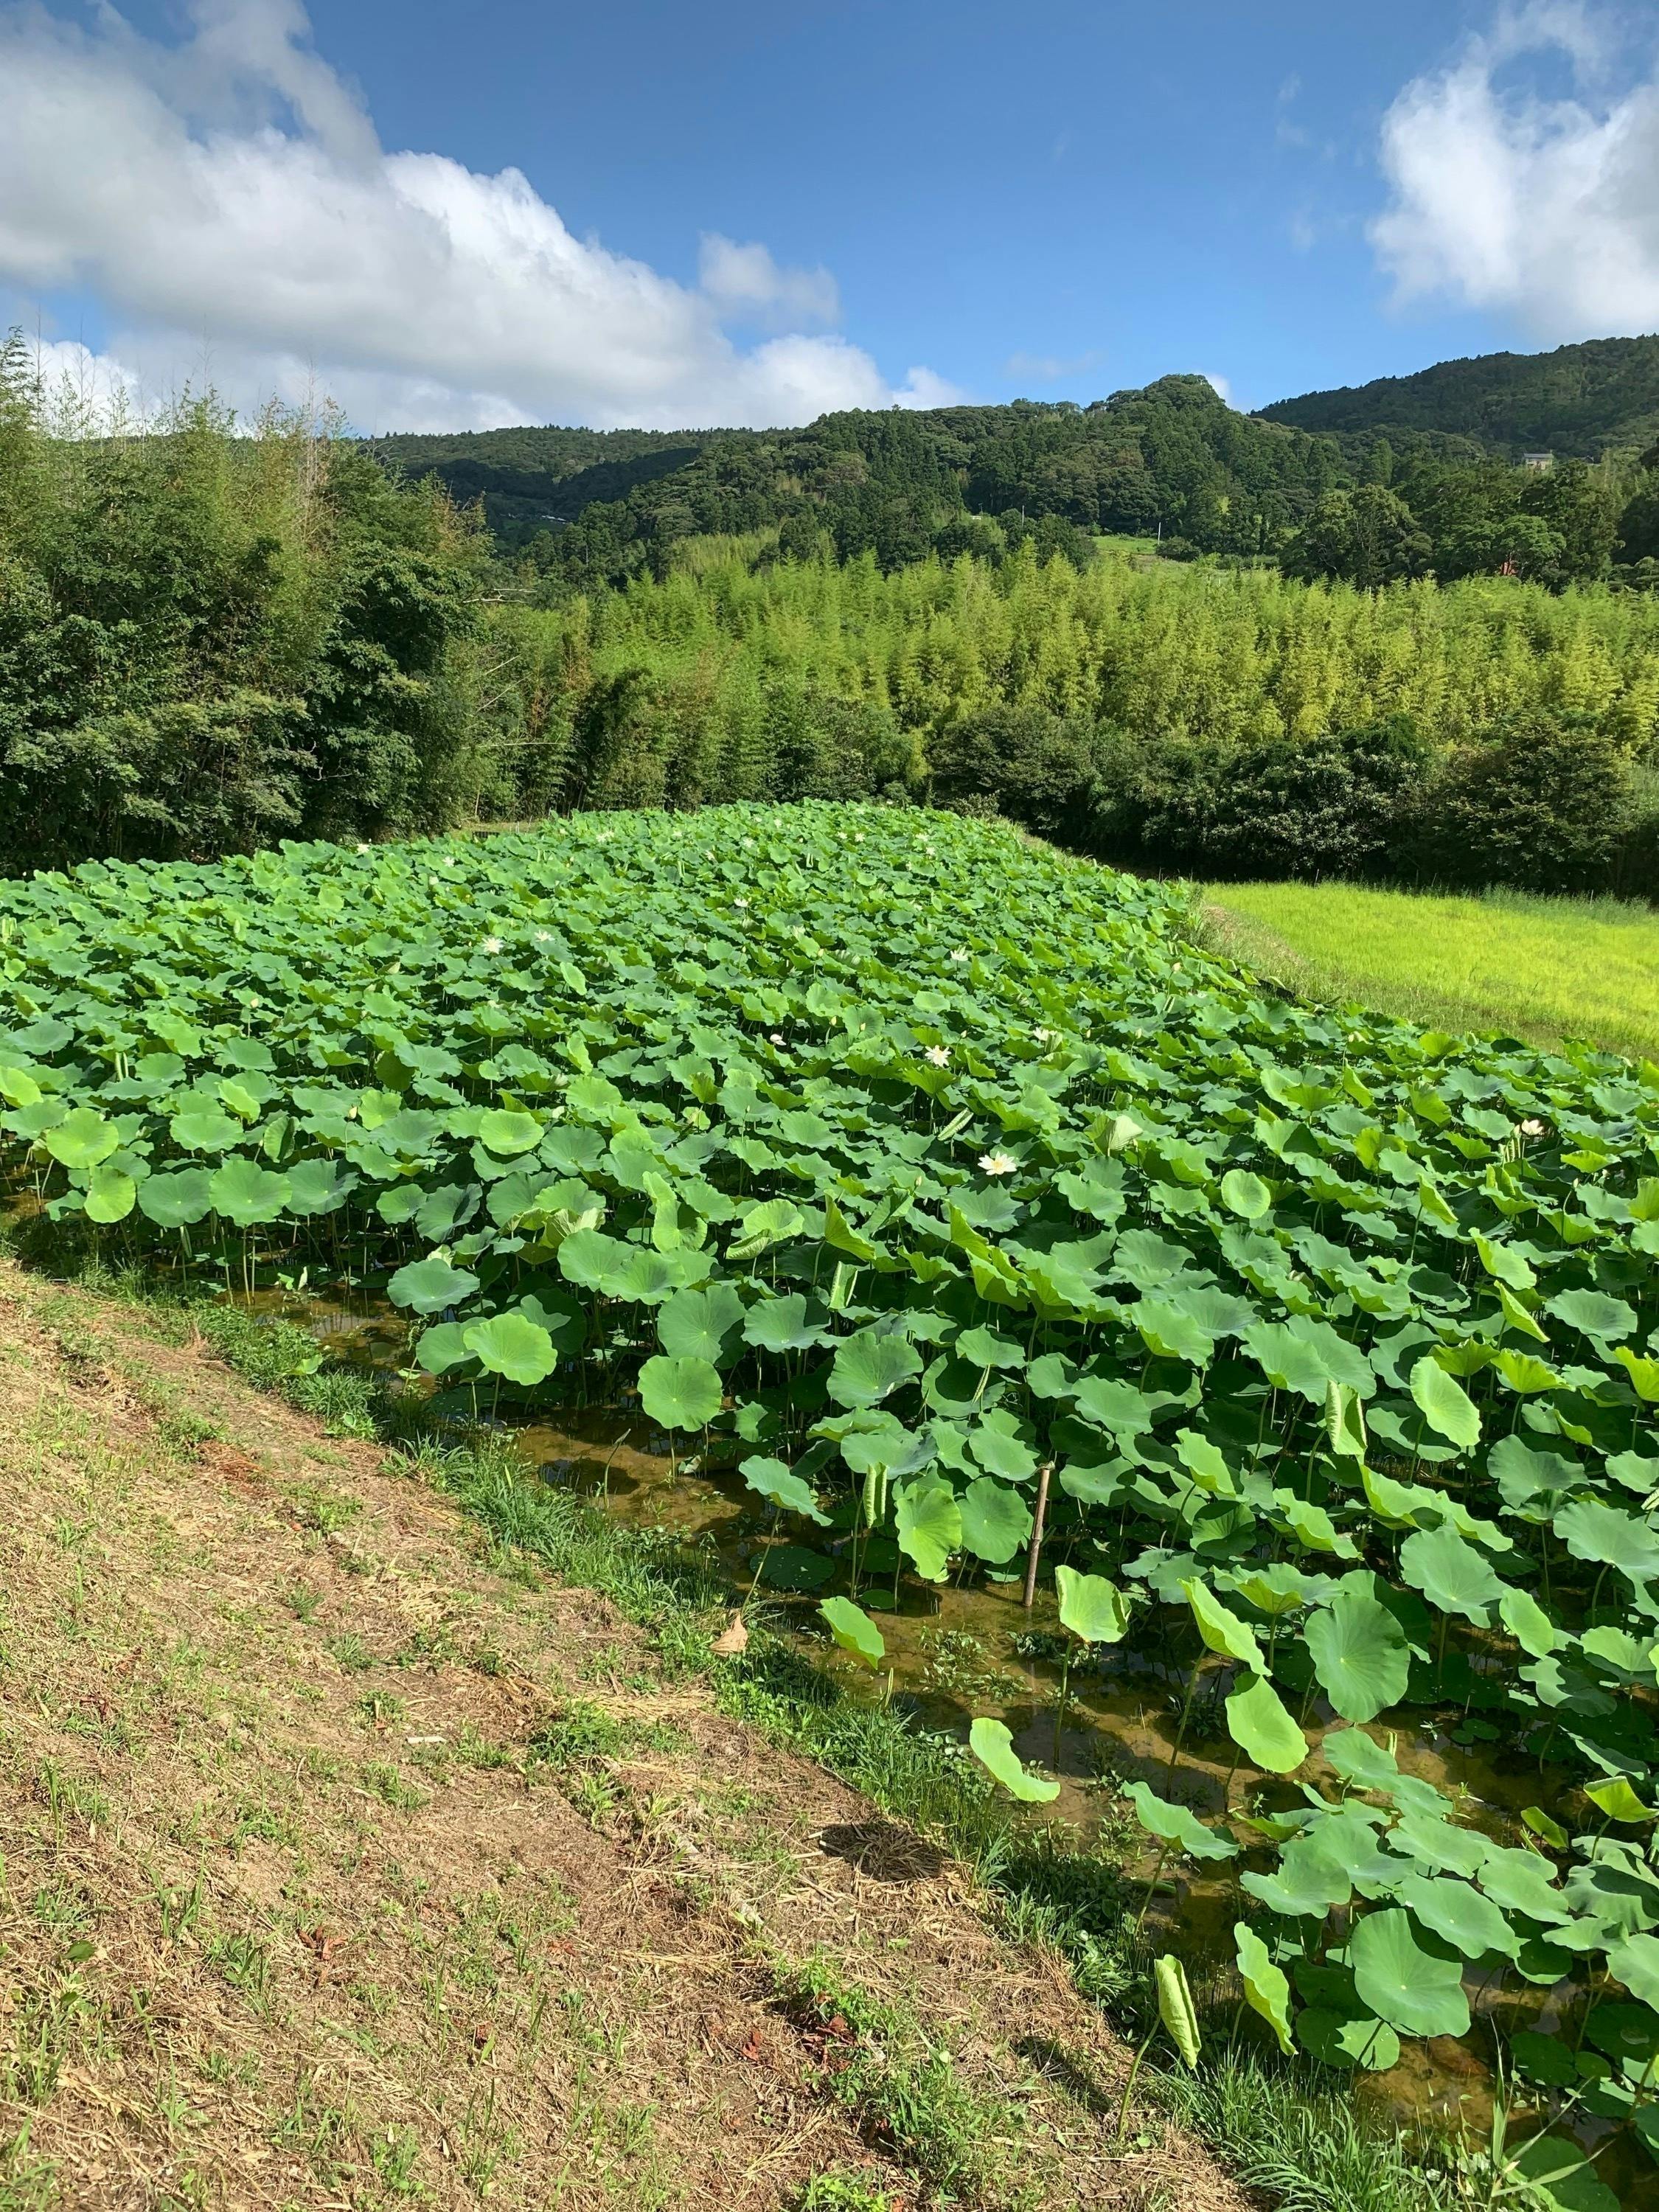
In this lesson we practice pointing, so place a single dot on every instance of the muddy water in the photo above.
(963, 1649)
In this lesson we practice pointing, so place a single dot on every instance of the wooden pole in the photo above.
(1043, 1473)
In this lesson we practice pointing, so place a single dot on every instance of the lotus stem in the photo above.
(1037, 1519)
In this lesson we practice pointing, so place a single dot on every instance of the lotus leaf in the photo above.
(1417, 1991)
(993, 1746)
(853, 1630)
(680, 1393)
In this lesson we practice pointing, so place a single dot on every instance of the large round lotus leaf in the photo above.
(985, 1349)
(1444, 1404)
(1169, 1333)
(81, 1138)
(443, 1345)
(791, 1567)
(1459, 1914)
(506, 1133)
(1360, 1654)
(110, 1195)
(1001, 1451)
(1414, 1989)
(991, 1745)
(205, 1129)
(771, 1478)
(1527, 1622)
(1266, 1989)
(561, 1316)
(853, 1630)
(698, 1324)
(427, 1286)
(1609, 1537)
(1593, 1314)
(1558, 2172)
(1245, 1195)
(1450, 1573)
(780, 1325)
(868, 1368)
(1635, 1962)
(928, 1522)
(246, 1192)
(1361, 1761)
(1091, 1606)
(643, 1278)
(1221, 1628)
(1348, 2039)
(1278, 1588)
(1545, 2058)
(765, 1223)
(175, 1201)
(680, 1393)
(509, 1345)
(319, 1187)
(1176, 1824)
(1262, 1727)
(996, 1521)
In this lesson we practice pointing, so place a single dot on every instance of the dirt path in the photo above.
(343, 1866)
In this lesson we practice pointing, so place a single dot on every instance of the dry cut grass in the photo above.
(345, 1865)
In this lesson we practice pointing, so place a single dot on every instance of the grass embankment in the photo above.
(1544, 970)
(351, 1858)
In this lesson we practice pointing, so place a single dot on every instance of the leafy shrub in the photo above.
(1539, 804)
(1328, 805)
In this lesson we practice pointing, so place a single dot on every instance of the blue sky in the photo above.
(746, 212)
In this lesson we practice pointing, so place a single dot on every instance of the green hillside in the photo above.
(1581, 400)
(599, 507)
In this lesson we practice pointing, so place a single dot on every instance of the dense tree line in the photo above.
(1217, 722)
(1427, 516)
(209, 642)
(1580, 401)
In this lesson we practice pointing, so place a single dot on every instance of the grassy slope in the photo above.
(1544, 970)
(349, 1862)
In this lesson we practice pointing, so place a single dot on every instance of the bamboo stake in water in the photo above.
(1043, 1473)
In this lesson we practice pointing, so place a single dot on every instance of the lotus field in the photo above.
(916, 1173)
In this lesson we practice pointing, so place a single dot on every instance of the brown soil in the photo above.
(347, 1865)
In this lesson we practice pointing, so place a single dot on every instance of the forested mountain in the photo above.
(531, 479)
(598, 508)
(1580, 400)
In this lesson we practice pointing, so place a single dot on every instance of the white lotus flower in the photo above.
(961, 952)
(939, 1055)
(492, 944)
(1532, 1128)
(1043, 1037)
(997, 1163)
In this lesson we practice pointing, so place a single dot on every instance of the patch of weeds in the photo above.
(880, 2063)
(61, 1910)
(380, 1708)
(318, 2131)
(586, 1732)
(183, 1432)
(260, 1823)
(47, 2020)
(70, 1797)
(475, 1750)
(319, 1765)
(383, 1781)
(27, 2184)
(350, 1653)
(394, 2157)
(305, 1602)
(244, 1962)
(845, 2192)
(436, 1646)
(325, 1512)
(180, 1909)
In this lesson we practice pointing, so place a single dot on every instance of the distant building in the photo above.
(1539, 464)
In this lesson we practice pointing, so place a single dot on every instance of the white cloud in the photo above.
(1221, 385)
(746, 281)
(231, 194)
(1544, 207)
